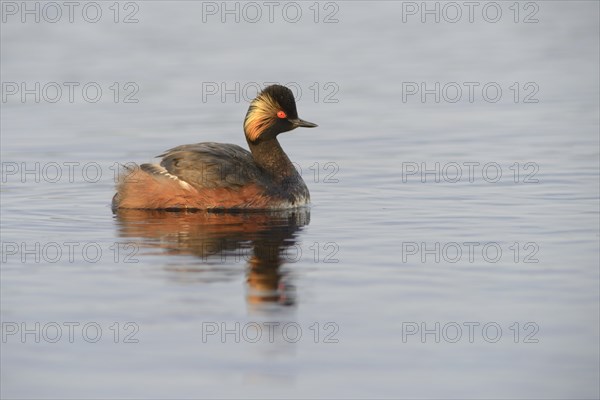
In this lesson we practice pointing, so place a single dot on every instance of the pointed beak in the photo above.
(301, 123)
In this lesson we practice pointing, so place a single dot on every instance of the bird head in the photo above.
(272, 112)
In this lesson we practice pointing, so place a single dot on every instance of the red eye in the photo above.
(281, 114)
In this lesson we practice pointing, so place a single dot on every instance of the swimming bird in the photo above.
(218, 176)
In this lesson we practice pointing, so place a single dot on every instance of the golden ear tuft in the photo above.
(263, 110)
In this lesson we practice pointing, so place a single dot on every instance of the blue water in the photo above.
(418, 271)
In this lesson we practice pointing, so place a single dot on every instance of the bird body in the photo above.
(225, 176)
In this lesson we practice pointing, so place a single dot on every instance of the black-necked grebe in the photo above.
(225, 176)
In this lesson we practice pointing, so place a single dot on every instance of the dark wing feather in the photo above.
(211, 165)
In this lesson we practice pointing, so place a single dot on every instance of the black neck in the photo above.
(270, 157)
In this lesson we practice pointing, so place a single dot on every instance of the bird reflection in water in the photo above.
(262, 240)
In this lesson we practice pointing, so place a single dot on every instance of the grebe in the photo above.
(217, 176)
